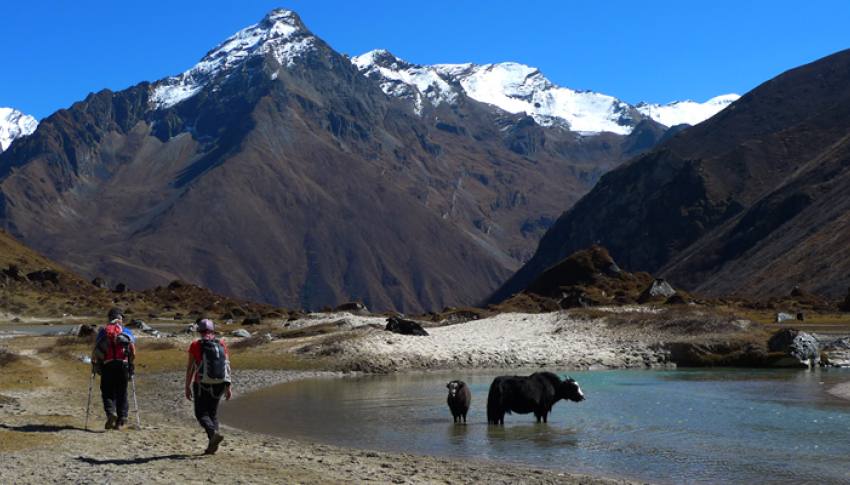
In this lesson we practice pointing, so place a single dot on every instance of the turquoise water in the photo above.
(681, 426)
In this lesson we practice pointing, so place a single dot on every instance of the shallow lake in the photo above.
(678, 426)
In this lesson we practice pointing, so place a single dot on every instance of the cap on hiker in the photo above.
(115, 313)
(205, 326)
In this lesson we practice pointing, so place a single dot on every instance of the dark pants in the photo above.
(113, 388)
(206, 405)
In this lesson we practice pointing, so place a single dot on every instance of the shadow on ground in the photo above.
(39, 428)
(134, 461)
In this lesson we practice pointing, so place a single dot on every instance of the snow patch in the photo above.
(688, 111)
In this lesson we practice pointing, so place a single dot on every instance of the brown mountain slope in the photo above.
(748, 202)
(294, 179)
(32, 285)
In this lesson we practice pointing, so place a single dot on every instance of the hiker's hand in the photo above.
(188, 393)
(131, 370)
(228, 393)
(95, 368)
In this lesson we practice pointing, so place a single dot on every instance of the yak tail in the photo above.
(495, 410)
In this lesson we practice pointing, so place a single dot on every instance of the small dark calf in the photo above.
(458, 400)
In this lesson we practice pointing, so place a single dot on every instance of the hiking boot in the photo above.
(111, 421)
(121, 423)
(213, 446)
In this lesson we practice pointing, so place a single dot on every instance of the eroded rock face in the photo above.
(799, 348)
(658, 290)
(836, 353)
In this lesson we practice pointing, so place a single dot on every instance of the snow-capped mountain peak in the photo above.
(690, 112)
(280, 33)
(402, 79)
(14, 125)
(510, 86)
(519, 88)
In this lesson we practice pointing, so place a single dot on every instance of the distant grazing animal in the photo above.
(536, 394)
(405, 327)
(459, 399)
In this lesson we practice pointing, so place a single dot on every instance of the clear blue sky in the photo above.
(54, 52)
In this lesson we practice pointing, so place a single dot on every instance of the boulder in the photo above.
(82, 330)
(100, 283)
(140, 324)
(459, 316)
(44, 276)
(782, 317)
(255, 320)
(797, 349)
(241, 333)
(191, 328)
(176, 284)
(405, 327)
(352, 307)
(836, 353)
(13, 272)
(574, 298)
(659, 289)
(121, 288)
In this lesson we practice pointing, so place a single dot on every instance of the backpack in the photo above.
(113, 343)
(215, 367)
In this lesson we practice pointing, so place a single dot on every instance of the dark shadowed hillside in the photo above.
(753, 201)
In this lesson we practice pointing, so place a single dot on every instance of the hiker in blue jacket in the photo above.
(113, 358)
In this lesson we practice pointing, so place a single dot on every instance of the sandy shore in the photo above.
(42, 439)
(508, 340)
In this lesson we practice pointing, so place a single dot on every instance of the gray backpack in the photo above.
(215, 367)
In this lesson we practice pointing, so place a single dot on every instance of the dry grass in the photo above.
(24, 373)
(168, 359)
(680, 320)
(20, 440)
(311, 331)
(148, 345)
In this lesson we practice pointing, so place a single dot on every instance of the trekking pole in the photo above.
(136, 403)
(88, 404)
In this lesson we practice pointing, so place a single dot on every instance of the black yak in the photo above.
(404, 327)
(458, 400)
(536, 394)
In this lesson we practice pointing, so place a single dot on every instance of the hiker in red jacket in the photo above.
(207, 379)
(113, 358)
